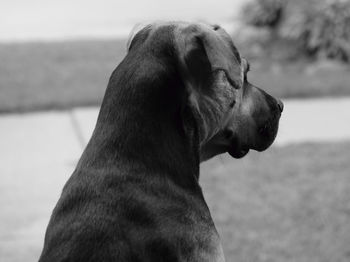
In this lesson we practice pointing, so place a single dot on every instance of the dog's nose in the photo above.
(280, 105)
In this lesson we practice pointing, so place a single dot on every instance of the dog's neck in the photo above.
(142, 125)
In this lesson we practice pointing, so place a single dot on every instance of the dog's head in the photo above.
(232, 115)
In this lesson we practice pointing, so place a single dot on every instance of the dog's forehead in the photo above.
(134, 31)
(152, 26)
(180, 29)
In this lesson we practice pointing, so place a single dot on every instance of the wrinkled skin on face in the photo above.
(232, 115)
(235, 116)
(249, 118)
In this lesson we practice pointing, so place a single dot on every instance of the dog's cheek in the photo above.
(247, 130)
(247, 107)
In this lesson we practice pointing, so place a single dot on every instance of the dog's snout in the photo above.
(280, 105)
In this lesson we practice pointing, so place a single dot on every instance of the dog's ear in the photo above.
(210, 68)
(204, 51)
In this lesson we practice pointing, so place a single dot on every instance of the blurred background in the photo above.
(290, 203)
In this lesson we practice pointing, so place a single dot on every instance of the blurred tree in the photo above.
(322, 29)
(263, 13)
(319, 28)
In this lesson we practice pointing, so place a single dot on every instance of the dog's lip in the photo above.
(236, 148)
(238, 153)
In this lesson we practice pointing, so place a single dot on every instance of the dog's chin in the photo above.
(238, 152)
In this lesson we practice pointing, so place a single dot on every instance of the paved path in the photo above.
(38, 153)
(309, 120)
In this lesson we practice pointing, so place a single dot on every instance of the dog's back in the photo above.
(124, 218)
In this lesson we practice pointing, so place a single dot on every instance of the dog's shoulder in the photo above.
(120, 213)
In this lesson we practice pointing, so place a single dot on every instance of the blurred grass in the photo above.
(57, 75)
(60, 75)
(301, 79)
(287, 204)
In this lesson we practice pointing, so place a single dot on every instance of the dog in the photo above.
(179, 97)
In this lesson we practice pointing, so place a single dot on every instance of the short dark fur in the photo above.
(129, 190)
(134, 195)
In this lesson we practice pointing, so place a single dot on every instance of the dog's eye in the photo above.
(247, 68)
(216, 27)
